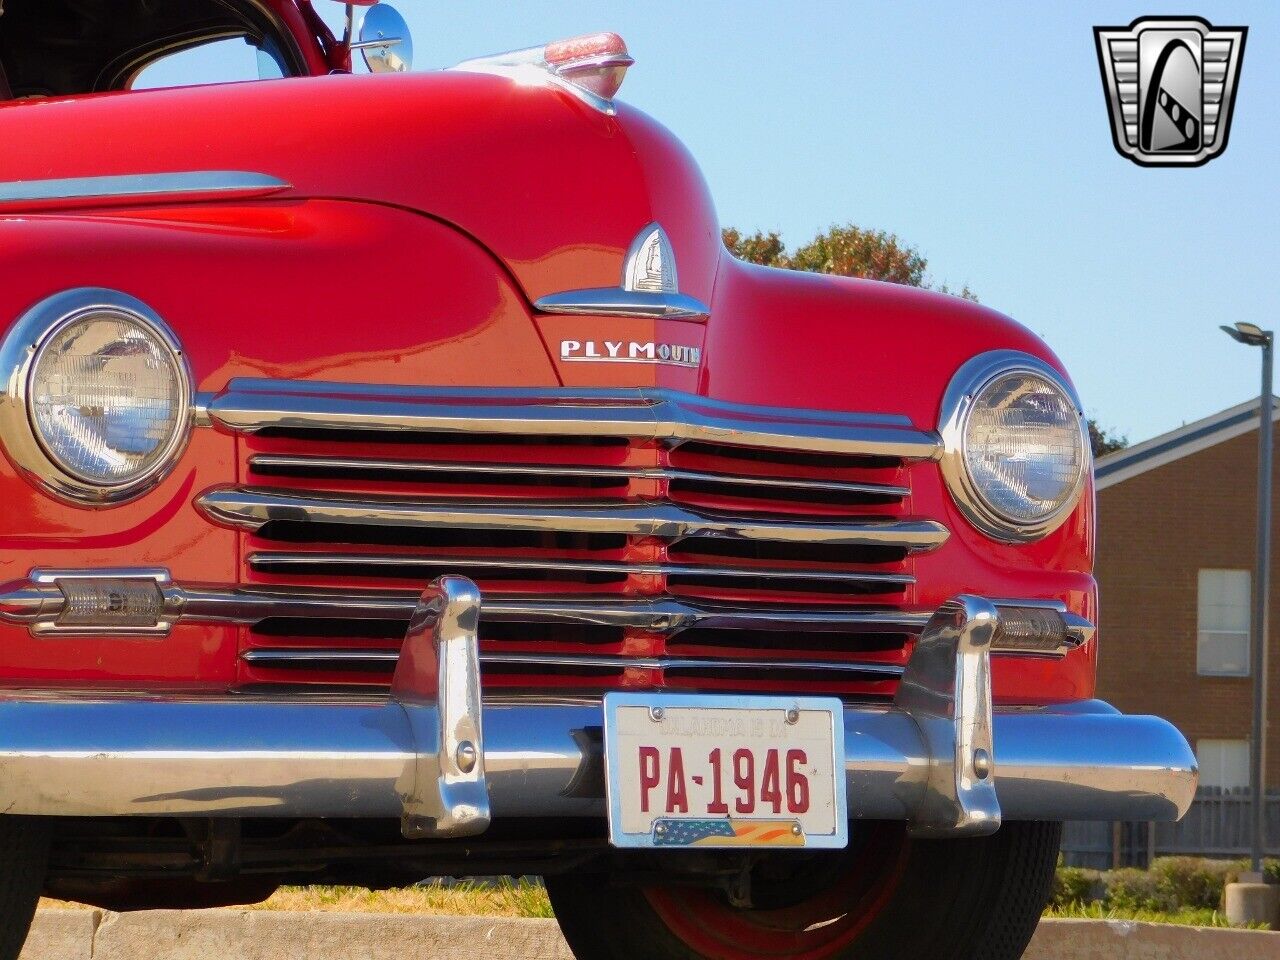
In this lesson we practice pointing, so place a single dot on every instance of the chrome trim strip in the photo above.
(289, 462)
(251, 508)
(142, 186)
(304, 657)
(39, 603)
(616, 302)
(250, 406)
(78, 754)
(672, 616)
(285, 562)
(24, 602)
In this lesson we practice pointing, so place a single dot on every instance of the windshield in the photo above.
(56, 47)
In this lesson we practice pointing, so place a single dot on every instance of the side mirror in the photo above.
(385, 42)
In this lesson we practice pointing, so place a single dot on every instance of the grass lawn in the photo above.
(1097, 911)
(507, 898)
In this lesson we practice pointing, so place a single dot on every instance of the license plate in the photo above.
(725, 771)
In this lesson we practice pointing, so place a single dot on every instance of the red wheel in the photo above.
(885, 897)
(808, 912)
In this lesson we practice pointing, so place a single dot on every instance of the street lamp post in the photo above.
(1254, 336)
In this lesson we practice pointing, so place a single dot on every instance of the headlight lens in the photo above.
(105, 396)
(106, 399)
(1016, 445)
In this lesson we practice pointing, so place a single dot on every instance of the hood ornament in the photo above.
(590, 68)
(649, 288)
(650, 266)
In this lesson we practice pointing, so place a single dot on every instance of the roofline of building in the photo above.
(1183, 442)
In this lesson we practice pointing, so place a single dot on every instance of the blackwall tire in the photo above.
(888, 898)
(24, 858)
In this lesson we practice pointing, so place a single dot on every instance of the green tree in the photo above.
(850, 251)
(846, 251)
(1104, 441)
(765, 249)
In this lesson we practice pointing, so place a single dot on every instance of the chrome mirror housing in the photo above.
(385, 41)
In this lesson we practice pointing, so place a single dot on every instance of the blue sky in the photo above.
(978, 133)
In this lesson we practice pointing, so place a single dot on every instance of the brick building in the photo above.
(1176, 540)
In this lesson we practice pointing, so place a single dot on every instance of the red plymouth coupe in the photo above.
(401, 479)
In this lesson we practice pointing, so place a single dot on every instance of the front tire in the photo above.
(885, 898)
(24, 859)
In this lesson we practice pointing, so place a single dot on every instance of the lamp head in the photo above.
(1248, 333)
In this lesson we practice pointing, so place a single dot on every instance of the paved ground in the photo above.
(265, 935)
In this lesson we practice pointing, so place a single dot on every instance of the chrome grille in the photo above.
(620, 537)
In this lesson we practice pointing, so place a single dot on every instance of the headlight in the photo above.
(1016, 449)
(99, 398)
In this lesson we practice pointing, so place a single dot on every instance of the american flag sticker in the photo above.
(727, 833)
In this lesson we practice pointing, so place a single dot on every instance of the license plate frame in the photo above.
(727, 831)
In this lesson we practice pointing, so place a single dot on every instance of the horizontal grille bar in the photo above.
(293, 465)
(251, 605)
(252, 406)
(251, 508)
(370, 564)
(337, 658)
(671, 616)
(1025, 624)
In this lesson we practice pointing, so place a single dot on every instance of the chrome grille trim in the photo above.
(666, 615)
(272, 561)
(297, 465)
(253, 405)
(662, 615)
(679, 498)
(340, 658)
(40, 603)
(252, 508)
(34, 603)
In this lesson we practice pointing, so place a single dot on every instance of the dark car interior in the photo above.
(57, 47)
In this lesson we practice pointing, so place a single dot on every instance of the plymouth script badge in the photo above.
(630, 351)
(1171, 86)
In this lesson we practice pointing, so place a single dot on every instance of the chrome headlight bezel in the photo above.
(965, 388)
(20, 352)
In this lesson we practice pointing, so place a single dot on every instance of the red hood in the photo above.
(554, 188)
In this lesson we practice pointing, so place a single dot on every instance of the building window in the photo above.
(1224, 764)
(1222, 646)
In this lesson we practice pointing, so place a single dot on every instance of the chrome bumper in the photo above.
(939, 758)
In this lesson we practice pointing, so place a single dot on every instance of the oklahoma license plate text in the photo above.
(703, 771)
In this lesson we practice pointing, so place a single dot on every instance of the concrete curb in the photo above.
(1128, 940)
(269, 935)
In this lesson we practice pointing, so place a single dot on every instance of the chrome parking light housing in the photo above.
(150, 429)
(1001, 506)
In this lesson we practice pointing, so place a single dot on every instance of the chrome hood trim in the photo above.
(185, 185)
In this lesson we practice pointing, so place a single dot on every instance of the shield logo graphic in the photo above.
(1171, 86)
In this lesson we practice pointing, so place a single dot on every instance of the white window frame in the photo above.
(1204, 666)
(1211, 754)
